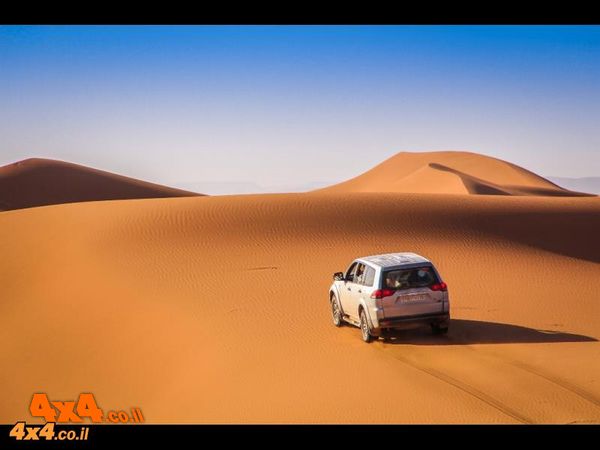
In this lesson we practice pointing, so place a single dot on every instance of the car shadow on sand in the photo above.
(463, 332)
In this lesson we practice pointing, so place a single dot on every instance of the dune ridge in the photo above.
(40, 182)
(456, 172)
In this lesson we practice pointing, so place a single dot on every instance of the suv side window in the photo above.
(359, 276)
(369, 277)
(351, 270)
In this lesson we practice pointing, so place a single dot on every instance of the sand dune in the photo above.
(451, 172)
(38, 182)
(584, 184)
(214, 309)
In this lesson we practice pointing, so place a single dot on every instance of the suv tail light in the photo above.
(380, 293)
(439, 287)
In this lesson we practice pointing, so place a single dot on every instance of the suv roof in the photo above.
(395, 259)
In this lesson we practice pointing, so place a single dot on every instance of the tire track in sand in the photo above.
(566, 385)
(465, 387)
(571, 407)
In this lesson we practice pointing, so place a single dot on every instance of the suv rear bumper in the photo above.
(413, 321)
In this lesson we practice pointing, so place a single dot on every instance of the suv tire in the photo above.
(365, 330)
(336, 313)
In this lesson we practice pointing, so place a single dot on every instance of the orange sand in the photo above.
(215, 309)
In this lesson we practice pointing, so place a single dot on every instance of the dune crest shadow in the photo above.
(465, 332)
(479, 186)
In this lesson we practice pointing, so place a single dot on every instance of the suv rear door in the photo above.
(354, 289)
(411, 293)
(346, 289)
(362, 288)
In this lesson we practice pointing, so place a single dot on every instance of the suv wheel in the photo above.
(365, 331)
(336, 314)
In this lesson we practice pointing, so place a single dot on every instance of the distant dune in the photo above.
(584, 184)
(451, 172)
(248, 187)
(38, 182)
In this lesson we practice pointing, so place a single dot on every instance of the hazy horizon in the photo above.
(273, 106)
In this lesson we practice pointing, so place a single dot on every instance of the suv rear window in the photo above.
(418, 277)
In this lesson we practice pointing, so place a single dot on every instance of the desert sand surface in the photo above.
(450, 172)
(215, 309)
(40, 181)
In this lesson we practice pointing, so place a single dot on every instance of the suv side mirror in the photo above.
(338, 276)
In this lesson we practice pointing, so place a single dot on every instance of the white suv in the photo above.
(390, 291)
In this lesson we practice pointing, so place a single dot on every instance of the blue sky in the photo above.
(293, 105)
